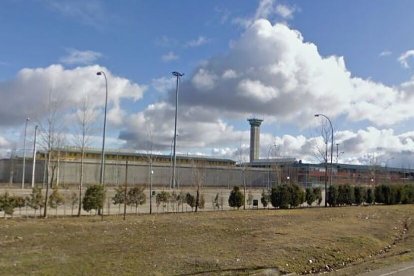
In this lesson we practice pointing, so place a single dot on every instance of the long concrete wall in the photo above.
(68, 173)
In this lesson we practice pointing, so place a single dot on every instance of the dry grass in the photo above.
(299, 241)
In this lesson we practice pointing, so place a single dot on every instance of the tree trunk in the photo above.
(49, 183)
(81, 182)
(197, 199)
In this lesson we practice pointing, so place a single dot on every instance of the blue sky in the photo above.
(281, 61)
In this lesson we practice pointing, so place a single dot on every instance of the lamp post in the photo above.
(151, 172)
(326, 161)
(24, 152)
(34, 157)
(101, 180)
(178, 76)
(171, 161)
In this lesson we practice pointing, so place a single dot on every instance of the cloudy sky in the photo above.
(280, 61)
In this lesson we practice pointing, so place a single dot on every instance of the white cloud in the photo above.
(201, 40)
(267, 9)
(80, 57)
(358, 146)
(4, 143)
(385, 53)
(204, 80)
(163, 84)
(255, 89)
(165, 41)
(272, 72)
(282, 77)
(229, 74)
(5, 147)
(285, 11)
(31, 89)
(90, 13)
(404, 58)
(197, 129)
(170, 56)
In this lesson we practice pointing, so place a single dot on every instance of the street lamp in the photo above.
(326, 161)
(150, 175)
(178, 76)
(24, 152)
(101, 180)
(34, 157)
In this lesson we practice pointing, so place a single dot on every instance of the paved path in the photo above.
(403, 269)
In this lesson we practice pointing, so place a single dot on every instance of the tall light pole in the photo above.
(34, 157)
(330, 178)
(101, 180)
(178, 76)
(24, 152)
(151, 172)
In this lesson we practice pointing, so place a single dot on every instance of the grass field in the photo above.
(224, 242)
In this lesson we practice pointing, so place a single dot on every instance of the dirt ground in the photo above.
(347, 240)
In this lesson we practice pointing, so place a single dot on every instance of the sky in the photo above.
(280, 61)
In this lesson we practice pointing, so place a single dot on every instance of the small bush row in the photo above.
(339, 195)
(290, 195)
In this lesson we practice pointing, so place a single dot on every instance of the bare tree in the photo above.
(52, 140)
(243, 164)
(321, 152)
(199, 175)
(12, 163)
(151, 159)
(85, 119)
(321, 149)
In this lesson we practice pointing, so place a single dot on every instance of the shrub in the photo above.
(19, 201)
(162, 197)
(280, 196)
(74, 200)
(396, 194)
(310, 196)
(119, 196)
(181, 200)
(36, 200)
(360, 195)
(55, 199)
(389, 194)
(236, 198)
(370, 196)
(287, 195)
(136, 196)
(94, 198)
(379, 193)
(265, 198)
(7, 204)
(216, 202)
(190, 200)
(297, 195)
(345, 195)
(318, 195)
(249, 198)
(332, 195)
(201, 202)
(407, 195)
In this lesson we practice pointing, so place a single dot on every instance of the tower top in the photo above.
(255, 122)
